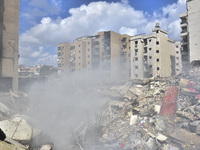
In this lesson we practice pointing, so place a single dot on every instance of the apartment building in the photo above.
(178, 57)
(190, 21)
(9, 35)
(106, 51)
(152, 55)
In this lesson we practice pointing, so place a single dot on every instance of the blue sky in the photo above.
(45, 23)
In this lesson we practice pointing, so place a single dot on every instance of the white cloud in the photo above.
(129, 31)
(97, 16)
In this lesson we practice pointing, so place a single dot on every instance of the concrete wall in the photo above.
(9, 35)
(194, 29)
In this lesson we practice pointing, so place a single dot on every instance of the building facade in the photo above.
(9, 35)
(106, 51)
(178, 58)
(152, 55)
(190, 33)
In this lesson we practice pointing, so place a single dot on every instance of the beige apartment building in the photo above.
(9, 35)
(178, 58)
(190, 34)
(152, 55)
(106, 51)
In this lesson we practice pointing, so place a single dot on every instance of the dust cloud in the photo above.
(62, 105)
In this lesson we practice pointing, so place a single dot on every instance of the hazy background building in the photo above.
(9, 35)
(152, 55)
(190, 33)
(106, 51)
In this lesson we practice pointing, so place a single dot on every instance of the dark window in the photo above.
(157, 31)
(177, 52)
(136, 42)
(149, 48)
(136, 50)
(136, 67)
(150, 40)
(79, 51)
(157, 51)
(158, 68)
(136, 58)
(79, 63)
(157, 42)
(176, 46)
(88, 50)
(150, 66)
(88, 43)
(59, 48)
(150, 57)
(79, 45)
(157, 59)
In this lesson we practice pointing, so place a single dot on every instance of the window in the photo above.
(158, 68)
(88, 43)
(136, 58)
(149, 48)
(59, 48)
(150, 57)
(79, 64)
(136, 75)
(88, 56)
(150, 66)
(157, 42)
(157, 31)
(79, 57)
(176, 46)
(136, 42)
(136, 67)
(177, 52)
(145, 50)
(79, 51)
(150, 75)
(149, 40)
(136, 50)
(177, 64)
(88, 49)
(79, 45)
(88, 62)
(157, 51)
(157, 59)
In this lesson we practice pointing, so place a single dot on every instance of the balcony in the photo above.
(184, 33)
(183, 24)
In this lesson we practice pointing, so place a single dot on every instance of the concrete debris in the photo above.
(7, 146)
(15, 132)
(154, 114)
(151, 114)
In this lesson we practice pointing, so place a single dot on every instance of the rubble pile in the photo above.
(158, 113)
(16, 132)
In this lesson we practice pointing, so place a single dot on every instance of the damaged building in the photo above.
(190, 33)
(9, 35)
(152, 55)
(106, 51)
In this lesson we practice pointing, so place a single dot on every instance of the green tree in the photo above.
(47, 70)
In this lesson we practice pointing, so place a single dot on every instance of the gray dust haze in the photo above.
(62, 105)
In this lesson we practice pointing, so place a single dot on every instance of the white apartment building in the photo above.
(152, 55)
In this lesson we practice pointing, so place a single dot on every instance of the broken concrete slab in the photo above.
(6, 146)
(17, 129)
